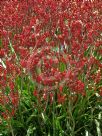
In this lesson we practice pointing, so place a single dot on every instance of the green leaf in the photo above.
(11, 47)
(30, 130)
(17, 123)
(62, 66)
(0, 42)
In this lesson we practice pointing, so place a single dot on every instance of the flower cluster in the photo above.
(58, 42)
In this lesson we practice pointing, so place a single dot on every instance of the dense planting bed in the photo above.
(50, 68)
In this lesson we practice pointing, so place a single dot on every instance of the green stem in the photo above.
(10, 126)
(54, 126)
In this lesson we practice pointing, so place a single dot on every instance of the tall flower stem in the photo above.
(54, 125)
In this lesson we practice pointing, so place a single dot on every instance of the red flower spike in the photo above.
(61, 98)
(60, 88)
(37, 36)
(35, 93)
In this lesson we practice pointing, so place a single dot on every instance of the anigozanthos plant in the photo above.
(52, 47)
